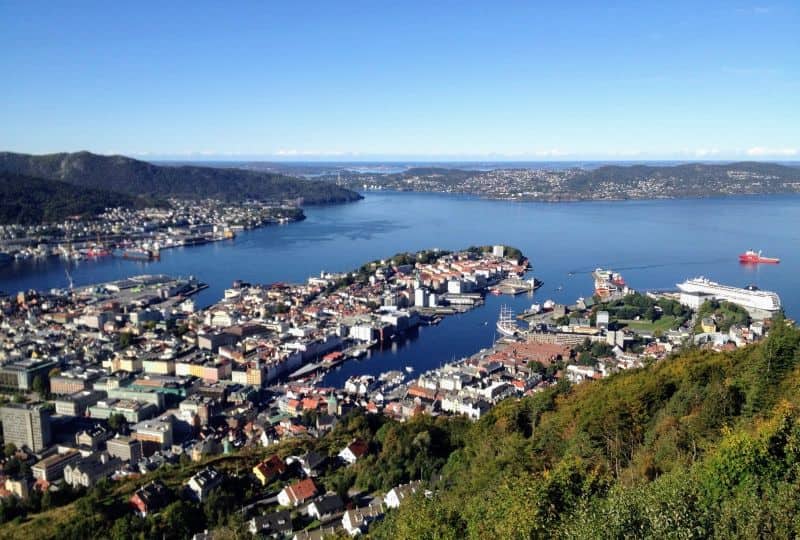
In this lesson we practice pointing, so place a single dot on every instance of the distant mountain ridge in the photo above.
(607, 182)
(134, 177)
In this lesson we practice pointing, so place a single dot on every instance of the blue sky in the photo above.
(402, 80)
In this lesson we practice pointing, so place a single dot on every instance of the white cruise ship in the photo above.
(747, 298)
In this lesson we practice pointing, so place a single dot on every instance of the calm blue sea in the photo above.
(654, 244)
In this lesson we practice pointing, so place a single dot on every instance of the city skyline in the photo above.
(412, 81)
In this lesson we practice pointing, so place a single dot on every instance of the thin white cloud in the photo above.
(705, 152)
(763, 151)
(553, 152)
(291, 152)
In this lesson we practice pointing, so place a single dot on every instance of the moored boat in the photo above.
(754, 257)
(506, 325)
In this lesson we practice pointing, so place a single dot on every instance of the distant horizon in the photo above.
(405, 159)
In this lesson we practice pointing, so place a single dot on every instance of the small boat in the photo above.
(409, 369)
(754, 257)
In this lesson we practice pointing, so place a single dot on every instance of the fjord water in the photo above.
(654, 244)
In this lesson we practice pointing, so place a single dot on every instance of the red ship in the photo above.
(753, 257)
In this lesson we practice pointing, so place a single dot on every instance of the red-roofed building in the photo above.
(297, 493)
(269, 469)
(354, 451)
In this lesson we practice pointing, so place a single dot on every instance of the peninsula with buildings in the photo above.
(608, 182)
(126, 392)
(84, 205)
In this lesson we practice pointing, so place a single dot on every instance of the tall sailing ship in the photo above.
(507, 324)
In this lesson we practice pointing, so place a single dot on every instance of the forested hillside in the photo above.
(27, 201)
(131, 176)
(703, 445)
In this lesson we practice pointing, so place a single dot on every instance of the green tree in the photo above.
(117, 422)
(124, 340)
(9, 449)
(179, 520)
(38, 386)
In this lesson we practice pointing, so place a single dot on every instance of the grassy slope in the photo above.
(666, 322)
(46, 524)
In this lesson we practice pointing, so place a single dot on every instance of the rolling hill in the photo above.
(125, 175)
(25, 200)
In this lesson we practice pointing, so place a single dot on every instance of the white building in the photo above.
(420, 297)
(395, 497)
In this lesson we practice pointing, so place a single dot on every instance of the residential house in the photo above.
(395, 497)
(203, 483)
(297, 493)
(357, 521)
(312, 463)
(269, 469)
(317, 534)
(354, 451)
(274, 525)
(325, 506)
(150, 498)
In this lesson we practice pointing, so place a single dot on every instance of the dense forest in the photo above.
(699, 445)
(25, 200)
(125, 175)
